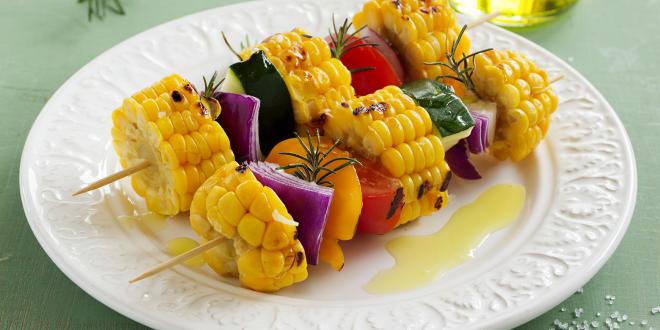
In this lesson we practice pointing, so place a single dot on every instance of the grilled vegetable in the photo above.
(419, 30)
(485, 118)
(258, 77)
(240, 118)
(370, 69)
(308, 202)
(346, 202)
(261, 247)
(384, 48)
(167, 125)
(524, 100)
(451, 118)
(314, 79)
(387, 125)
(459, 162)
(382, 199)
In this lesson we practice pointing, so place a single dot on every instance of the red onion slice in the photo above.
(307, 202)
(240, 120)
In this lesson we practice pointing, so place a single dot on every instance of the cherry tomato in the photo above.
(382, 199)
(367, 82)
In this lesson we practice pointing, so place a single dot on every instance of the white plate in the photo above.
(581, 185)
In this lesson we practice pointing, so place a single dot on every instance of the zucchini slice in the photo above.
(258, 77)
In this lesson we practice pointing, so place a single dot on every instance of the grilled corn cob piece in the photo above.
(167, 125)
(314, 79)
(387, 125)
(524, 100)
(261, 247)
(420, 30)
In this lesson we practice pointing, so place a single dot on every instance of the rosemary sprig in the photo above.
(246, 43)
(312, 167)
(342, 42)
(231, 49)
(462, 68)
(210, 86)
(99, 8)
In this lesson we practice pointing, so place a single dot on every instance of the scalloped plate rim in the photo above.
(522, 314)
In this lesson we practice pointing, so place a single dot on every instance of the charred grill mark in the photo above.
(398, 197)
(438, 203)
(202, 109)
(423, 188)
(360, 110)
(321, 120)
(241, 168)
(445, 182)
(379, 107)
(176, 96)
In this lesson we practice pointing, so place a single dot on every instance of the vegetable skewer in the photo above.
(134, 169)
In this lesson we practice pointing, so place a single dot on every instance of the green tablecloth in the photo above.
(615, 44)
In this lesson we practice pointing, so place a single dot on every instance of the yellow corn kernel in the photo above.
(193, 156)
(407, 155)
(247, 191)
(251, 229)
(261, 207)
(231, 208)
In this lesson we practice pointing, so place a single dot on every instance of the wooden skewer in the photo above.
(114, 177)
(550, 82)
(555, 79)
(178, 259)
(483, 19)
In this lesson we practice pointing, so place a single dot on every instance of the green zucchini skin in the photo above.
(259, 78)
(451, 118)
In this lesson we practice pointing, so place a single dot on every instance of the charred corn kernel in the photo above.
(524, 99)
(262, 251)
(162, 124)
(420, 30)
(388, 126)
(311, 75)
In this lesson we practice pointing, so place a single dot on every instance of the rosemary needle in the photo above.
(313, 168)
(98, 8)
